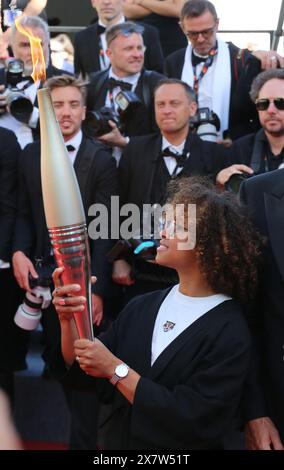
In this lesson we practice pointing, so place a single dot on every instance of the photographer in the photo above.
(264, 150)
(125, 82)
(150, 162)
(18, 105)
(220, 73)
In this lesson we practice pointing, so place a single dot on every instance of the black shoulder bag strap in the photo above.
(146, 91)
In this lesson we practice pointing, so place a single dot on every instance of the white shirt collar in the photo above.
(177, 148)
(121, 20)
(76, 140)
(132, 79)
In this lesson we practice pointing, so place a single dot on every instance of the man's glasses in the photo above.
(124, 31)
(262, 104)
(206, 33)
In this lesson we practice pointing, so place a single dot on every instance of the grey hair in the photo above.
(123, 29)
(32, 22)
(262, 78)
(175, 81)
(196, 8)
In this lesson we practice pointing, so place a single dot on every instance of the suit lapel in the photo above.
(82, 164)
(93, 48)
(143, 344)
(151, 167)
(195, 162)
(186, 337)
(274, 209)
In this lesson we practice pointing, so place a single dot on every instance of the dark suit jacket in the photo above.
(9, 155)
(138, 163)
(243, 117)
(96, 173)
(264, 198)
(143, 119)
(241, 150)
(86, 50)
(188, 398)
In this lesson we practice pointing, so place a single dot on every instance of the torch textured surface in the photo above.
(64, 211)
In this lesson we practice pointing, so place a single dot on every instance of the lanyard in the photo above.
(208, 62)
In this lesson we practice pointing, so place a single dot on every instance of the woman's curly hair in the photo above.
(228, 247)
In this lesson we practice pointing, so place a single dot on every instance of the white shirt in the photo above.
(133, 80)
(176, 313)
(23, 131)
(76, 142)
(171, 162)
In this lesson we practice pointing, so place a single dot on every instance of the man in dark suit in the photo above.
(90, 44)
(96, 173)
(150, 162)
(27, 128)
(12, 339)
(220, 73)
(264, 150)
(264, 406)
(126, 54)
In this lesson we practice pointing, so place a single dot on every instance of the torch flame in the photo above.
(39, 71)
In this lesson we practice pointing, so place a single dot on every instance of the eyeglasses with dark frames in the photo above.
(262, 104)
(206, 33)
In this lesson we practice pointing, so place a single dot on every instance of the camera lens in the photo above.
(96, 123)
(234, 182)
(20, 106)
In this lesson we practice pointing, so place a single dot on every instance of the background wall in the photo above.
(71, 12)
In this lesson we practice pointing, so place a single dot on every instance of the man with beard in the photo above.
(264, 150)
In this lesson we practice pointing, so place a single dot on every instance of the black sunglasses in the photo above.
(263, 103)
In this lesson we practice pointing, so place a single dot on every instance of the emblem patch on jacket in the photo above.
(168, 326)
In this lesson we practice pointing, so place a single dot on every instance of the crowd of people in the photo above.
(162, 113)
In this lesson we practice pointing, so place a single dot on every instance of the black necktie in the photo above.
(180, 158)
(101, 29)
(112, 83)
(70, 148)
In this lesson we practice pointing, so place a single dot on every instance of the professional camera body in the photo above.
(133, 248)
(29, 312)
(206, 123)
(96, 122)
(19, 105)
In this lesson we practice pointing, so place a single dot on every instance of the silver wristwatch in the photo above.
(120, 372)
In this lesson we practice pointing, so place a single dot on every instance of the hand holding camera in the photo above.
(232, 176)
(107, 124)
(12, 99)
(114, 137)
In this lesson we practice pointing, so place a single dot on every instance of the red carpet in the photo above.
(39, 445)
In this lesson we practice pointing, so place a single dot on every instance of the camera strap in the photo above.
(146, 91)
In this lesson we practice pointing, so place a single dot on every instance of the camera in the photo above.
(133, 248)
(234, 182)
(96, 122)
(206, 123)
(19, 105)
(28, 314)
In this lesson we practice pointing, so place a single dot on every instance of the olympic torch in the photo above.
(64, 211)
(63, 206)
